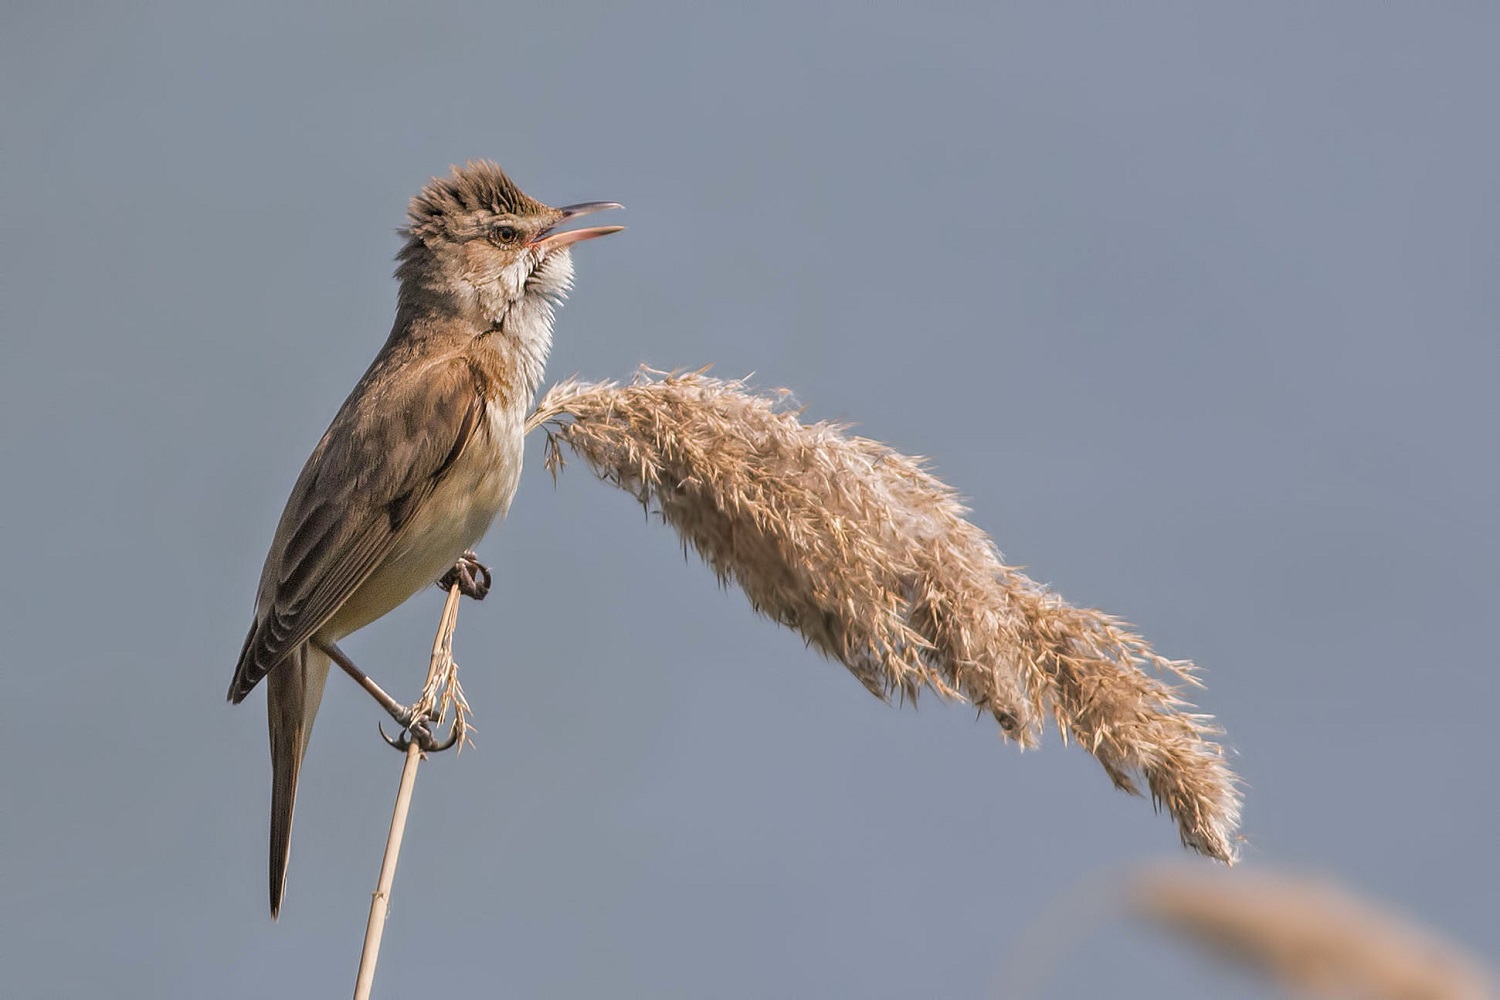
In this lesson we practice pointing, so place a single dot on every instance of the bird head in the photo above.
(475, 238)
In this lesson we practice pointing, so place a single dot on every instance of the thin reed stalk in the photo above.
(441, 687)
(871, 559)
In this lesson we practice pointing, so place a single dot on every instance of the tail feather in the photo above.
(293, 691)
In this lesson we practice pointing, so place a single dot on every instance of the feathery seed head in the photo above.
(870, 558)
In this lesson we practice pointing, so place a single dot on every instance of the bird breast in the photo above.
(474, 493)
(477, 489)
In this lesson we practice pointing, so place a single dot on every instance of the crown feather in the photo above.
(477, 186)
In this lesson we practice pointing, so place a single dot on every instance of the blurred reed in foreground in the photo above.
(1310, 936)
(870, 558)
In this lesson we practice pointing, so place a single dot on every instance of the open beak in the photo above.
(550, 241)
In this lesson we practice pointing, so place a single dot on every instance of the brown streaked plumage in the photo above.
(422, 457)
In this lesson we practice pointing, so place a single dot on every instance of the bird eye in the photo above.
(504, 233)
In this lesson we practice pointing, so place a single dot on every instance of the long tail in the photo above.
(293, 690)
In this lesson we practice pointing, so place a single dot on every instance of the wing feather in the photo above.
(384, 453)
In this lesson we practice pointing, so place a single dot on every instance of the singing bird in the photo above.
(422, 457)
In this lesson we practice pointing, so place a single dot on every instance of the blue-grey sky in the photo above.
(1195, 303)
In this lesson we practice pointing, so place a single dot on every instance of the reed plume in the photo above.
(1310, 936)
(870, 558)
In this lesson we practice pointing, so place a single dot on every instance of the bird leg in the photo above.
(415, 725)
(472, 579)
(469, 575)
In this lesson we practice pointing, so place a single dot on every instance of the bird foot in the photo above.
(416, 728)
(469, 575)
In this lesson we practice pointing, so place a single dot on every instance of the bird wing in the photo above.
(386, 450)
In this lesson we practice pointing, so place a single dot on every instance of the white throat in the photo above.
(521, 305)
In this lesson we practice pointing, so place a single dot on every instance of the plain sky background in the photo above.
(1197, 303)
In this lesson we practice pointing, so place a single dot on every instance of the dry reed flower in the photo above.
(1314, 938)
(870, 558)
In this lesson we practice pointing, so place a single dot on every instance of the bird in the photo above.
(421, 458)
